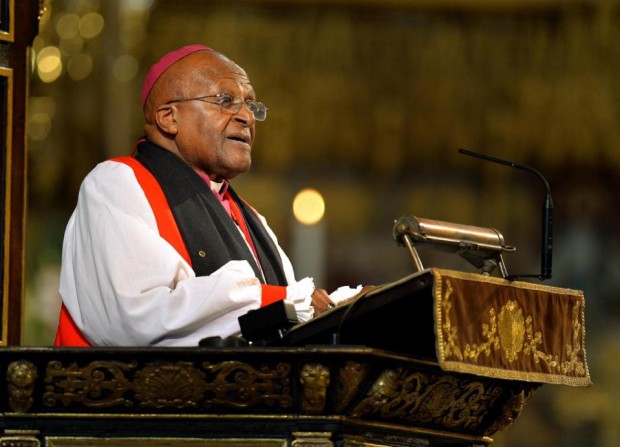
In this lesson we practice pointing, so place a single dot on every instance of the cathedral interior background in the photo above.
(369, 102)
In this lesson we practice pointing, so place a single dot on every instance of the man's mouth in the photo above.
(240, 138)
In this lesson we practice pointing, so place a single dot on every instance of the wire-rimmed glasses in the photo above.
(231, 105)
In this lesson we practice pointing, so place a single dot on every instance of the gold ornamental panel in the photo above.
(312, 439)
(350, 378)
(21, 379)
(161, 442)
(168, 385)
(314, 380)
(511, 330)
(20, 438)
(428, 399)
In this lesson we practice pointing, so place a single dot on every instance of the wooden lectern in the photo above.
(439, 358)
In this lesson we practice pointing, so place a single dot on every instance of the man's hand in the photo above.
(321, 301)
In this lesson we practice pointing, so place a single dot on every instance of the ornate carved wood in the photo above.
(311, 396)
(18, 27)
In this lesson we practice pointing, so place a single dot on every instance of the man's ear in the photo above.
(165, 118)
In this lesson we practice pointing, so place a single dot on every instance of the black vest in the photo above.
(210, 235)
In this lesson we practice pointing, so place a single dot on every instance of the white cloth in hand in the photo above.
(300, 294)
(344, 292)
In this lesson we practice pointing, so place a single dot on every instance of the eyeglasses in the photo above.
(231, 105)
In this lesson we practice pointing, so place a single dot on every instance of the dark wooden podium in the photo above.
(454, 379)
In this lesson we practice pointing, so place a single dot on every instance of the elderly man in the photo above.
(160, 250)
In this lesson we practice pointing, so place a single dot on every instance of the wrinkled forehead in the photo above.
(221, 69)
(210, 70)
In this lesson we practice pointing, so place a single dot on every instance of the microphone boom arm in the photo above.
(547, 214)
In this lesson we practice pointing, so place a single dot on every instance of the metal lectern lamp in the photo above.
(481, 247)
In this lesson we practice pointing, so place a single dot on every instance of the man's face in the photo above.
(217, 142)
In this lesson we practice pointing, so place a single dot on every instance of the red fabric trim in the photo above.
(271, 294)
(166, 224)
(68, 333)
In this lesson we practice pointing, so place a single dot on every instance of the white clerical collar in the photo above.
(218, 188)
(215, 186)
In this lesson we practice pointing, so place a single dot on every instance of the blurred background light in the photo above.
(49, 64)
(125, 68)
(39, 126)
(308, 206)
(91, 25)
(80, 67)
(67, 26)
(71, 46)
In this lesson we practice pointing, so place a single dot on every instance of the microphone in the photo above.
(547, 214)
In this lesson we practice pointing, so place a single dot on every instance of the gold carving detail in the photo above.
(240, 385)
(169, 385)
(20, 438)
(21, 378)
(428, 399)
(314, 379)
(311, 439)
(159, 385)
(509, 412)
(101, 384)
(349, 379)
(157, 441)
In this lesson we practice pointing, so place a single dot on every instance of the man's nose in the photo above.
(245, 115)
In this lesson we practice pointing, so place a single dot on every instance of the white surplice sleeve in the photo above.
(126, 286)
